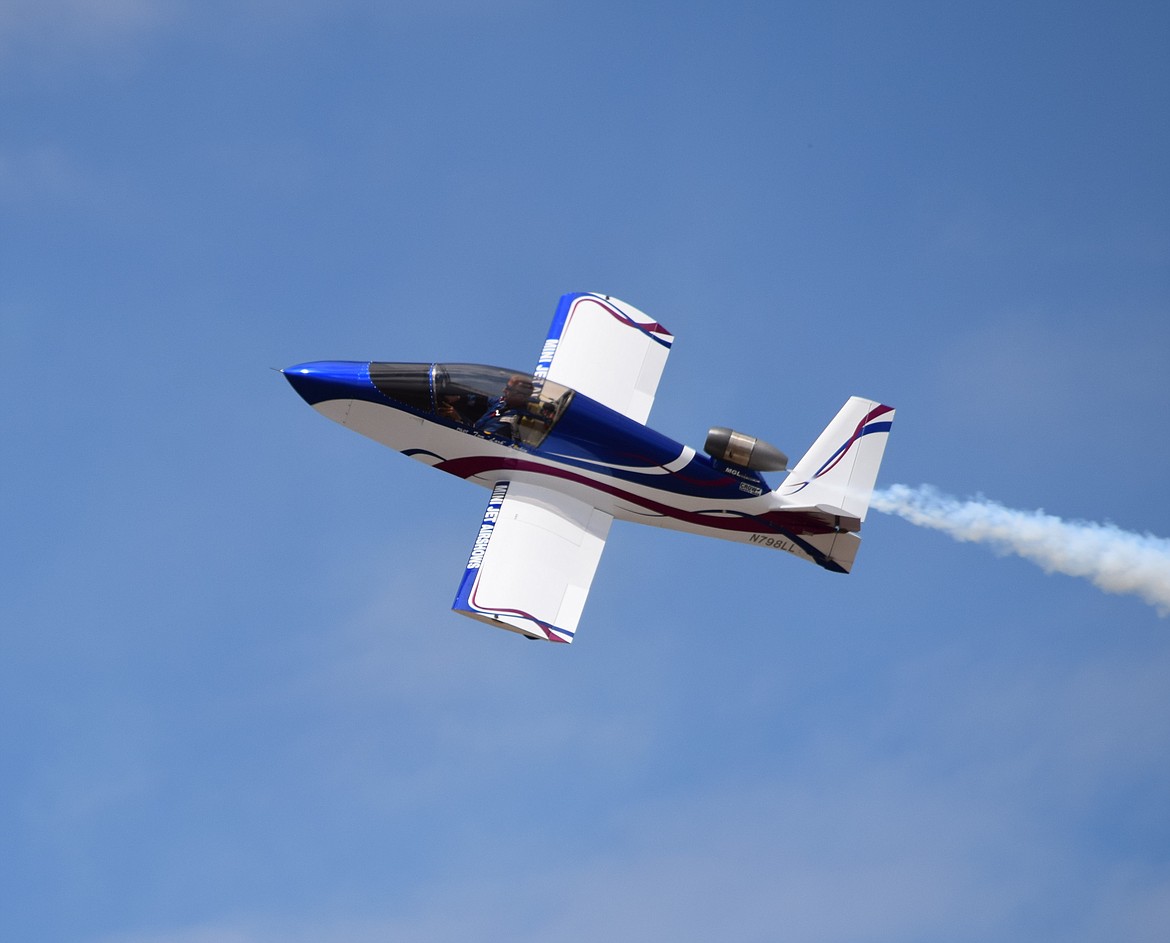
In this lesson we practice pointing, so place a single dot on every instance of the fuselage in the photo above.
(490, 424)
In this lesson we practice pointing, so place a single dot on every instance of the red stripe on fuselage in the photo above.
(787, 521)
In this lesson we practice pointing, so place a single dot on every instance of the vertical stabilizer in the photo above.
(838, 473)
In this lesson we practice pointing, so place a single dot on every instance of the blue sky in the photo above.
(234, 705)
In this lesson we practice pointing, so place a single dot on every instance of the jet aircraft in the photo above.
(564, 450)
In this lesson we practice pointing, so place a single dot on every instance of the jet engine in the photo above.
(746, 451)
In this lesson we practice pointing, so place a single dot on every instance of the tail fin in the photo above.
(837, 474)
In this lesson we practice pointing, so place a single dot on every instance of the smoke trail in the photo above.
(1115, 560)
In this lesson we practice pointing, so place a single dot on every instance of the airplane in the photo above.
(564, 450)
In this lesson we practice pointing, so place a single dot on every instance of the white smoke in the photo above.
(1115, 560)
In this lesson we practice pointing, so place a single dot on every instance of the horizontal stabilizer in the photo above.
(834, 517)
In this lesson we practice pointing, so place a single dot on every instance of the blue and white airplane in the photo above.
(564, 450)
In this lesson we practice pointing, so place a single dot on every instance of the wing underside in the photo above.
(533, 561)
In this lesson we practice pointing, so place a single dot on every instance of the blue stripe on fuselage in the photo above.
(593, 437)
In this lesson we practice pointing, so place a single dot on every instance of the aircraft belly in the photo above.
(427, 442)
(548, 477)
(485, 462)
(384, 424)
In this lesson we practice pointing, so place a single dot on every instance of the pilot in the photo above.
(502, 419)
(461, 408)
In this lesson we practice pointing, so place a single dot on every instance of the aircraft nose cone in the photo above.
(329, 379)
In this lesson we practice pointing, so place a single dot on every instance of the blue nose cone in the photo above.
(330, 379)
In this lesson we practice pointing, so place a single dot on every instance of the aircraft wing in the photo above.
(608, 350)
(533, 561)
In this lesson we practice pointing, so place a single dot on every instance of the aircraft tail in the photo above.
(837, 474)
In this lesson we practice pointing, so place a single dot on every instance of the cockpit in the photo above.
(509, 406)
